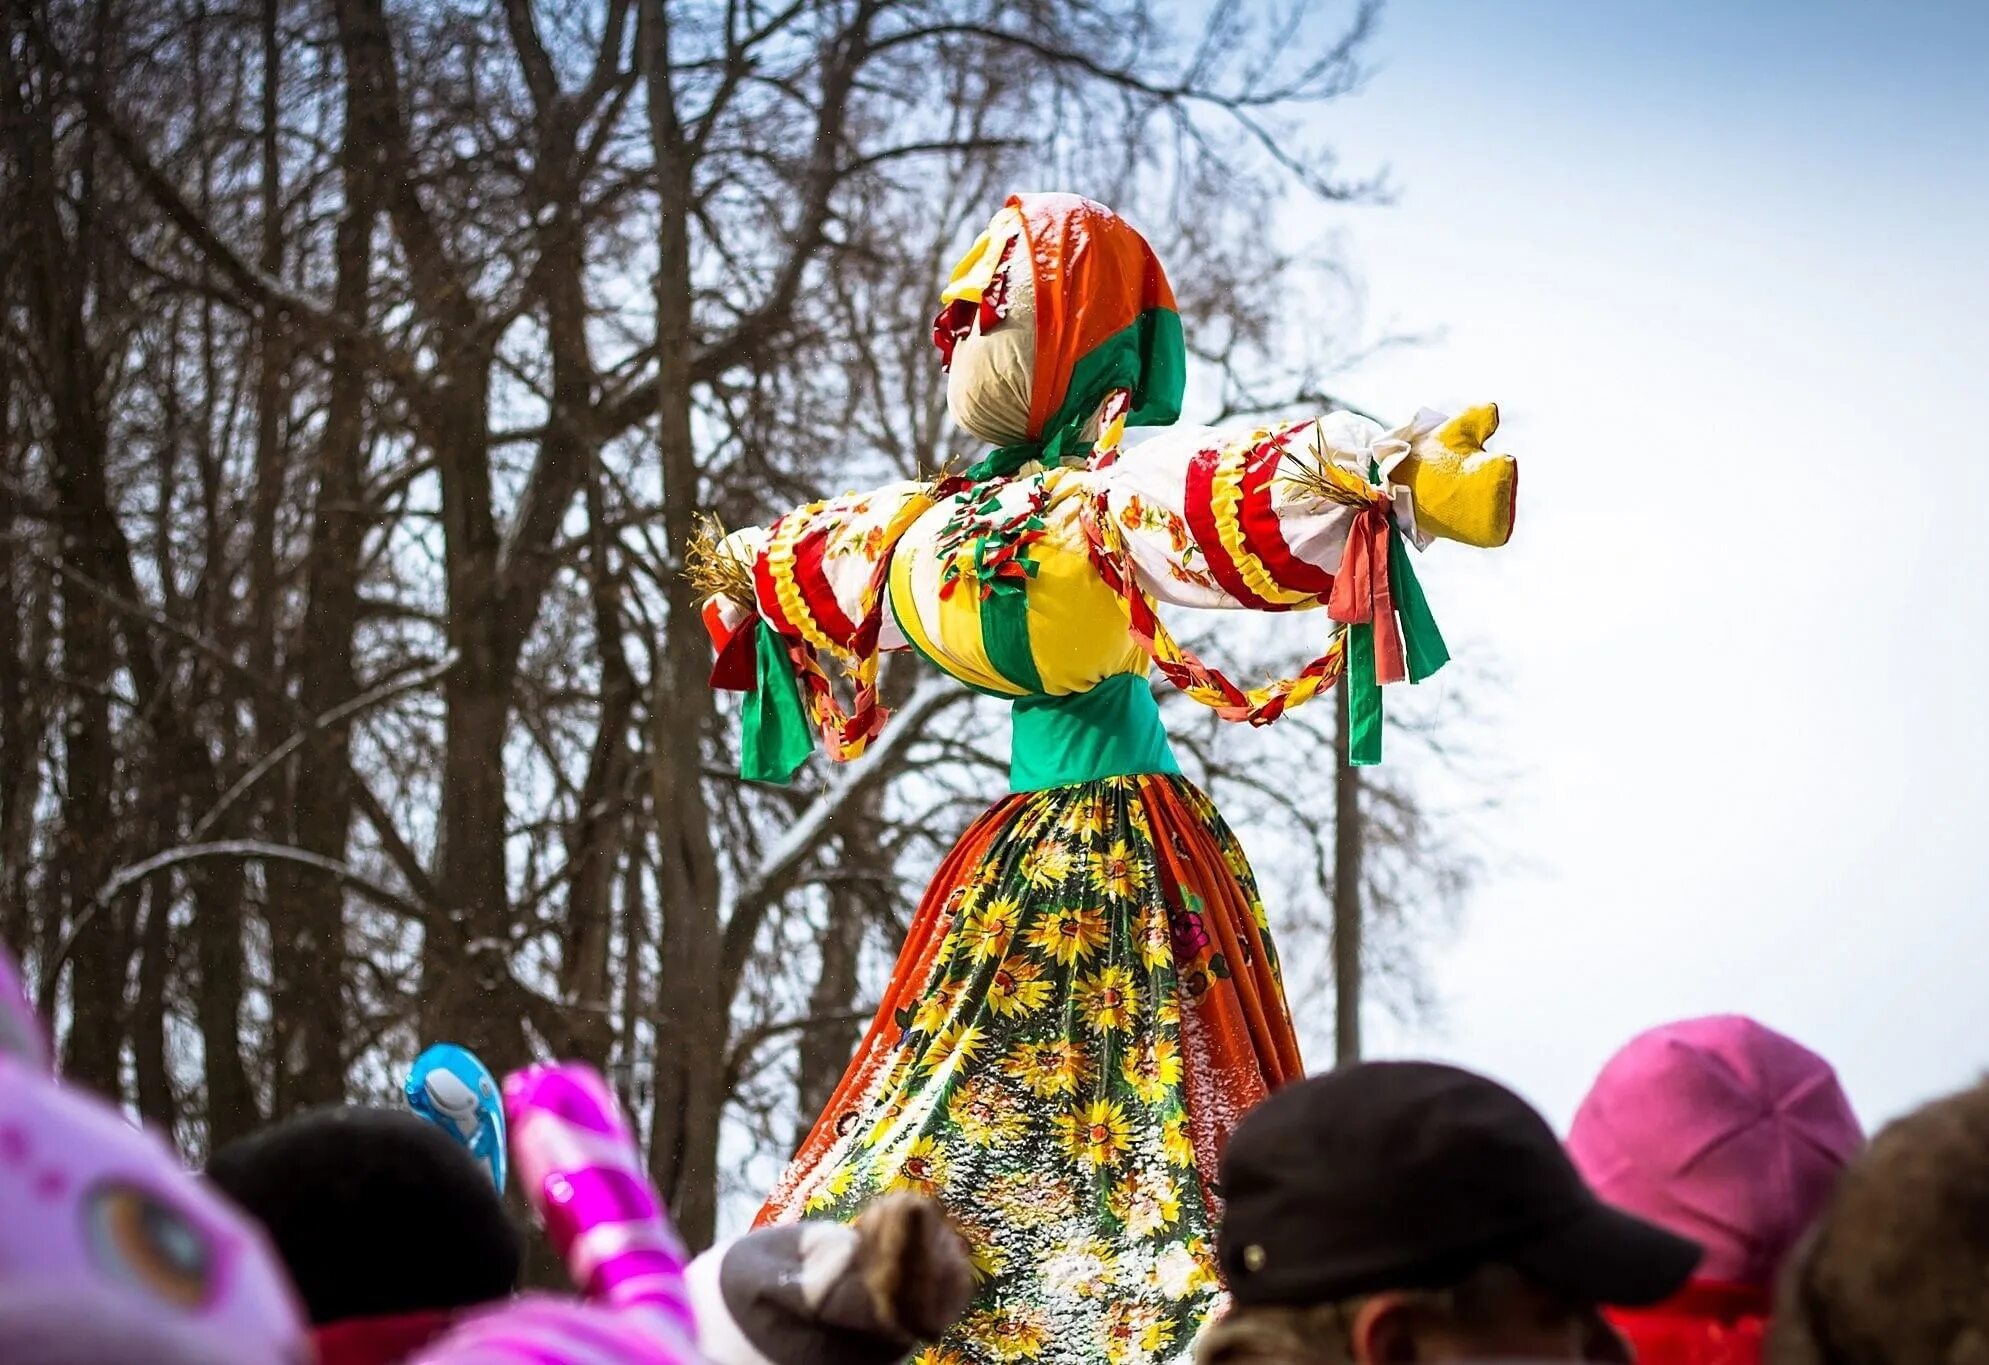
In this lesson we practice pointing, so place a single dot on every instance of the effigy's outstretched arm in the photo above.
(1264, 518)
(784, 602)
(1318, 513)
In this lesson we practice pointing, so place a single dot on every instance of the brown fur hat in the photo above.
(826, 1294)
(1897, 1272)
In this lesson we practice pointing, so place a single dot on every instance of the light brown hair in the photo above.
(1897, 1272)
(1322, 1334)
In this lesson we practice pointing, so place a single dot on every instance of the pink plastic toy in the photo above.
(578, 1164)
(87, 1199)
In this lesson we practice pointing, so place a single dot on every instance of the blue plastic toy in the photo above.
(450, 1088)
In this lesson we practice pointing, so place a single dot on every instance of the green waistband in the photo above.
(1113, 730)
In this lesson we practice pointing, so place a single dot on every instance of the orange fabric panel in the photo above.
(1094, 276)
(937, 911)
(1240, 1038)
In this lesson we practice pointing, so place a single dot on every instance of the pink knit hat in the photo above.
(1722, 1130)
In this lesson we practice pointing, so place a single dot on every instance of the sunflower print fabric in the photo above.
(1087, 1001)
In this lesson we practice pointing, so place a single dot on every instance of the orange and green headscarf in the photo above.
(1105, 320)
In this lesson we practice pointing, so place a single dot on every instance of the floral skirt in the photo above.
(1086, 1003)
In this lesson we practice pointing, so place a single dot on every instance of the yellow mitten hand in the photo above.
(1461, 491)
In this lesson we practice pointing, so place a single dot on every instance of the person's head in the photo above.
(1721, 1130)
(1494, 1313)
(1897, 1271)
(809, 1293)
(1405, 1211)
(375, 1211)
(93, 1207)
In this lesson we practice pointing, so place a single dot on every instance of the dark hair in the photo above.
(1897, 1272)
(374, 1212)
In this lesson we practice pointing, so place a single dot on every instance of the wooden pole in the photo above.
(1346, 894)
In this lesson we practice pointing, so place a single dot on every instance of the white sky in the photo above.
(1722, 267)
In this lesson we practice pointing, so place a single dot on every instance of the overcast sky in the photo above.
(1723, 268)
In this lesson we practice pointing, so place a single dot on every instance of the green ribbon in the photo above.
(1363, 698)
(1005, 636)
(999, 464)
(776, 738)
(1423, 651)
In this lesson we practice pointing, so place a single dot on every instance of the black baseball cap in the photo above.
(375, 1212)
(1411, 1175)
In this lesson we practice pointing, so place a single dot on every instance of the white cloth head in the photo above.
(988, 388)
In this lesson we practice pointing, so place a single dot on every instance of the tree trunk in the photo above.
(596, 837)
(217, 890)
(219, 938)
(311, 930)
(599, 830)
(84, 849)
(465, 969)
(156, 1101)
(634, 1003)
(1346, 893)
(20, 731)
(82, 856)
(691, 1011)
(465, 966)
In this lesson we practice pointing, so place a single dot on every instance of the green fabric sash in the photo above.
(1423, 651)
(1113, 730)
(1005, 635)
(776, 738)
(1363, 698)
(1422, 643)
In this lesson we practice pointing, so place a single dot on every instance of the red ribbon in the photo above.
(954, 324)
(733, 669)
(1361, 593)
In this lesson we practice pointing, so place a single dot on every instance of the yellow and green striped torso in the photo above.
(1058, 632)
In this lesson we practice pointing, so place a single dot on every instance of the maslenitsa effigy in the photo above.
(1088, 997)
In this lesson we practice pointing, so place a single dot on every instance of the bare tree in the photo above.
(355, 419)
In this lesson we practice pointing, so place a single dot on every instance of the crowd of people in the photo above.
(1714, 1203)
